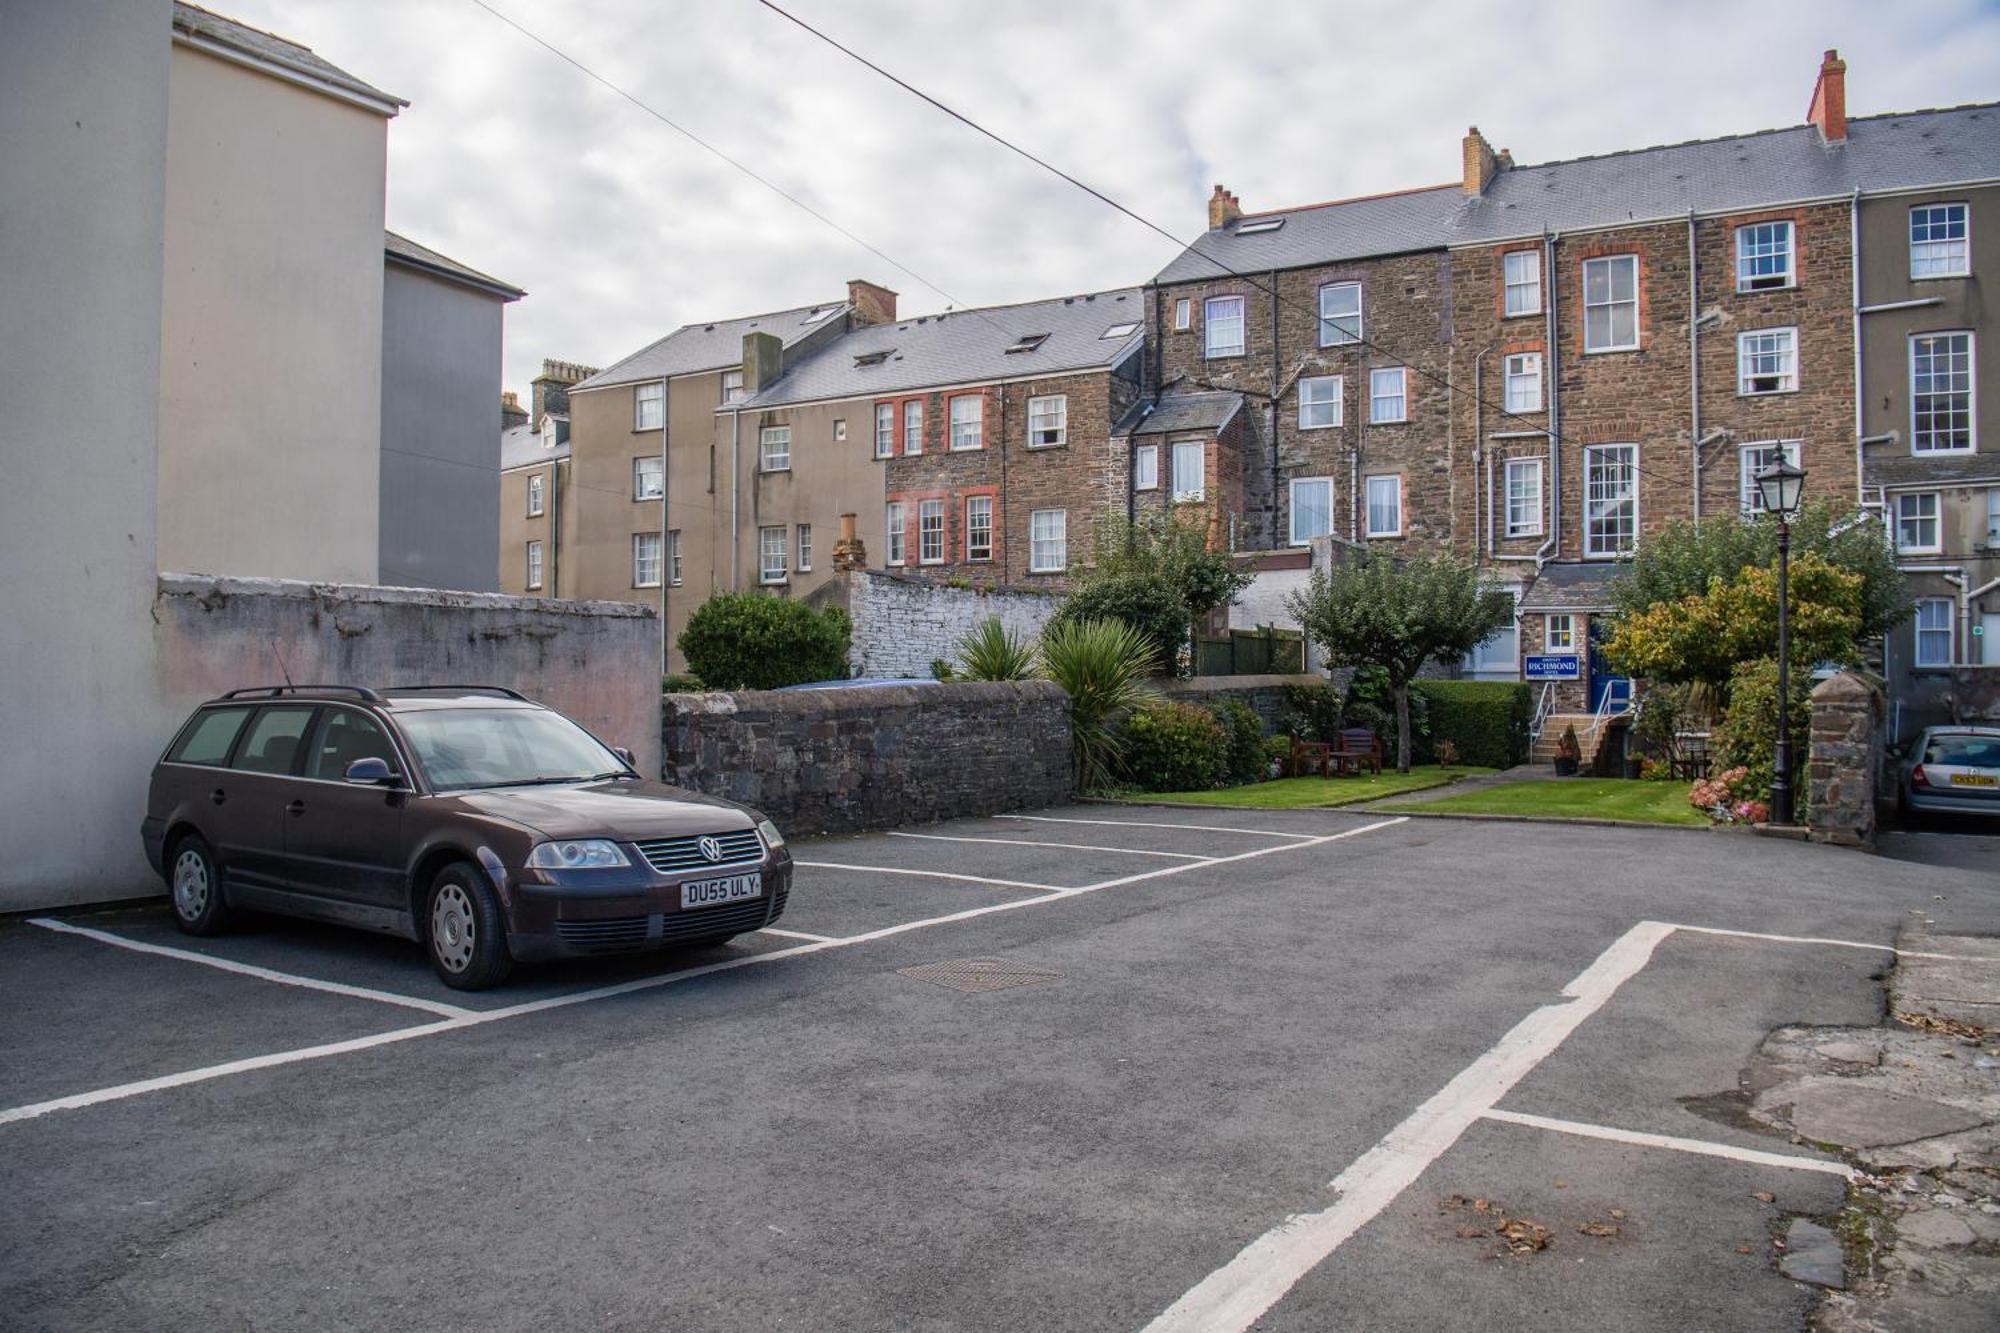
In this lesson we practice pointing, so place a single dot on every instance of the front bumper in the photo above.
(582, 913)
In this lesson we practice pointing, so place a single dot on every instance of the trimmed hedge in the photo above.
(1246, 739)
(1487, 719)
(757, 641)
(1174, 746)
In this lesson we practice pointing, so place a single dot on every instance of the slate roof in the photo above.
(965, 347)
(1177, 412)
(1888, 469)
(1899, 151)
(407, 251)
(1572, 587)
(276, 50)
(521, 446)
(711, 346)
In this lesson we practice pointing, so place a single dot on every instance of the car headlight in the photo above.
(772, 838)
(581, 854)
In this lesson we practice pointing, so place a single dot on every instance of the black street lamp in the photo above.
(1780, 487)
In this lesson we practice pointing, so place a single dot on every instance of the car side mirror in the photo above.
(626, 755)
(370, 773)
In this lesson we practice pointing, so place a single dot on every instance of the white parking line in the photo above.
(934, 874)
(1156, 823)
(250, 970)
(1836, 944)
(1699, 1147)
(1067, 846)
(794, 934)
(478, 1018)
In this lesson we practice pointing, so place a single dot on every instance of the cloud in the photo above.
(517, 163)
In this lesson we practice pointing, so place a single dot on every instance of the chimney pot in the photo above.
(1223, 208)
(1828, 108)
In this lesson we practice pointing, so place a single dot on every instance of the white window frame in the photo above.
(885, 430)
(1924, 521)
(1753, 458)
(1971, 393)
(537, 504)
(1051, 410)
(639, 471)
(1566, 645)
(534, 570)
(969, 432)
(1755, 241)
(1785, 349)
(1216, 313)
(1299, 538)
(805, 548)
(773, 545)
(674, 557)
(1048, 541)
(771, 457)
(895, 535)
(1526, 496)
(1146, 467)
(978, 552)
(1368, 488)
(927, 511)
(1922, 633)
(1310, 407)
(1183, 314)
(1376, 398)
(1605, 503)
(732, 386)
(1521, 372)
(642, 542)
(913, 427)
(1511, 282)
(1942, 256)
(1334, 330)
(1612, 265)
(1993, 531)
(649, 406)
(1198, 451)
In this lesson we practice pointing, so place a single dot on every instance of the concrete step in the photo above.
(1544, 748)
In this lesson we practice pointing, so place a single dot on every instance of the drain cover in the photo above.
(980, 974)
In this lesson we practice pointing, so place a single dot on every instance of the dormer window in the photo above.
(1027, 342)
(1125, 330)
(1261, 224)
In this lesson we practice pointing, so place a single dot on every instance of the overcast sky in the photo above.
(516, 163)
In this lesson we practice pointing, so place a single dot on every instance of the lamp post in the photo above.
(1780, 486)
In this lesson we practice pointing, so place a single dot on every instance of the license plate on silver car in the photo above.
(729, 889)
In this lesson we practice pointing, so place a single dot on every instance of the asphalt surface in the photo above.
(795, 1135)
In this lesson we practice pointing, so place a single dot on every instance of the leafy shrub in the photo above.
(1747, 736)
(1246, 739)
(1487, 720)
(1174, 746)
(681, 683)
(1361, 713)
(1447, 753)
(1370, 692)
(1278, 749)
(755, 641)
(1729, 797)
(1149, 603)
(1312, 712)
(941, 669)
(1102, 665)
(990, 651)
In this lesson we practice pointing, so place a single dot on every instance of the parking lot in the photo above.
(1095, 1067)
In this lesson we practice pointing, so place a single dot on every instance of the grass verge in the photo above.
(1577, 798)
(1313, 793)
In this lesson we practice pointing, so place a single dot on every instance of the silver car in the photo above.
(1954, 770)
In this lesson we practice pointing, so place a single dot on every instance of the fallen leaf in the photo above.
(1561, 1184)
(1743, 1249)
(1618, 1213)
(1471, 1233)
(1950, 1027)
(1765, 1196)
(1523, 1236)
(1598, 1229)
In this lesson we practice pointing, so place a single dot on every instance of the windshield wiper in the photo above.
(536, 782)
(601, 777)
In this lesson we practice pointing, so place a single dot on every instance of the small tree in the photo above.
(1373, 611)
(1703, 637)
(756, 641)
(1158, 574)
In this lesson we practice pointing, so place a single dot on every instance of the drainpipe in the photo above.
(555, 528)
(1552, 548)
(1854, 278)
(1480, 453)
(1694, 364)
(735, 507)
(666, 556)
(1276, 375)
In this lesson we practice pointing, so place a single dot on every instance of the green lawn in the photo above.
(1315, 792)
(1577, 798)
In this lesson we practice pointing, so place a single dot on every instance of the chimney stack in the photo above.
(1829, 99)
(512, 414)
(550, 389)
(1223, 208)
(872, 302)
(763, 361)
(849, 554)
(1481, 162)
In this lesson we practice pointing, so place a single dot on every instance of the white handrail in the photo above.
(1544, 707)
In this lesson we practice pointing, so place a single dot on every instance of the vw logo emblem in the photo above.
(710, 848)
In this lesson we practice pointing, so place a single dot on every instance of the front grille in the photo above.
(734, 919)
(618, 932)
(674, 856)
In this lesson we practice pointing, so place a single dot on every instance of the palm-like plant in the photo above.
(1103, 665)
(989, 651)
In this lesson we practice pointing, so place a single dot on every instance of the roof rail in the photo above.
(273, 691)
(500, 690)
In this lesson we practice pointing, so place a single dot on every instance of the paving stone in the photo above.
(1862, 1117)
(1812, 1254)
(1851, 1052)
(1935, 1228)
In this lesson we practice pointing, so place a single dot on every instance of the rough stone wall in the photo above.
(841, 761)
(1844, 765)
(597, 662)
(903, 623)
(1265, 695)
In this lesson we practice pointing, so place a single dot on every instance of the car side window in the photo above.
(206, 740)
(344, 736)
(273, 741)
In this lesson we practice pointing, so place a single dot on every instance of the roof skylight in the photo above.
(1125, 330)
(873, 358)
(1261, 224)
(1027, 342)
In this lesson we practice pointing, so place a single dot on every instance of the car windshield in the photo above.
(504, 747)
(1968, 751)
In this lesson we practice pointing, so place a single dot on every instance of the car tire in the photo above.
(194, 888)
(464, 931)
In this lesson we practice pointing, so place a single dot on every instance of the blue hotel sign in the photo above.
(1553, 666)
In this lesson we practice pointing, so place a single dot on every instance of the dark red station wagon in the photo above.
(468, 818)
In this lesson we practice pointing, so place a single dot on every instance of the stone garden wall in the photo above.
(1844, 763)
(903, 622)
(840, 761)
(1265, 695)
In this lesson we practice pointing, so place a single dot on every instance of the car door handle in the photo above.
(218, 796)
(296, 808)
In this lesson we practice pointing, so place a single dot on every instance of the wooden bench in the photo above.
(1310, 757)
(1359, 748)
